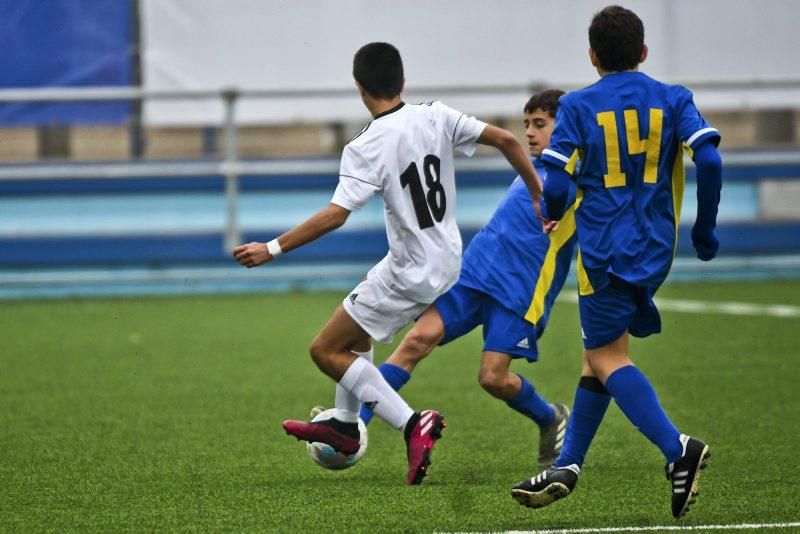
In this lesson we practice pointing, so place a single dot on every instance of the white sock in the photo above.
(363, 380)
(347, 405)
(368, 355)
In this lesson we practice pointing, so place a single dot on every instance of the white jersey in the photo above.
(406, 156)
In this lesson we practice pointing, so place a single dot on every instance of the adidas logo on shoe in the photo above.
(523, 343)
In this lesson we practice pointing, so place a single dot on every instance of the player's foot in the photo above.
(421, 433)
(315, 411)
(685, 474)
(551, 437)
(547, 487)
(343, 437)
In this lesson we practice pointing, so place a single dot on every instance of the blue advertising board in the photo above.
(66, 43)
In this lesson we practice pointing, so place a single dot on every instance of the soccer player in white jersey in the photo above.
(405, 155)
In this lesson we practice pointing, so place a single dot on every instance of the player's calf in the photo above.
(419, 341)
(414, 347)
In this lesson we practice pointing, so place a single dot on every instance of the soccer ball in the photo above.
(327, 457)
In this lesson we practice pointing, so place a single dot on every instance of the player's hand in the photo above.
(705, 243)
(252, 254)
(549, 226)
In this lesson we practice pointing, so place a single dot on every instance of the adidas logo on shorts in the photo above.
(523, 343)
(353, 298)
(371, 404)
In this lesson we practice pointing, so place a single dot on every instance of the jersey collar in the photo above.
(389, 111)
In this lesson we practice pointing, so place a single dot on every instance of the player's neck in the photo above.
(604, 73)
(376, 107)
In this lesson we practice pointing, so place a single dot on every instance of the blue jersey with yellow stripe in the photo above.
(515, 262)
(629, 131)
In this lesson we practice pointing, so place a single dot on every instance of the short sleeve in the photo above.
(693, 129)
(357, 182)
(462, 129)
(565, 140)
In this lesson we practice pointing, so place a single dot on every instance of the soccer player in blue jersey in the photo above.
(630, 132)
(511, 274)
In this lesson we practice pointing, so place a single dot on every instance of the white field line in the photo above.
(740, 526)
(725, 308)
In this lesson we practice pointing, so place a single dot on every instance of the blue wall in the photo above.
(179, 221)
(65, 43)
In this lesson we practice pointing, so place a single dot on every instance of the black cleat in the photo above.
(685, 474)
(547, 487)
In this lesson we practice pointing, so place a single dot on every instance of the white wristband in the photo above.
(274, 248)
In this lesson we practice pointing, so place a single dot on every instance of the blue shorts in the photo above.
(463, 308)
(618, 308)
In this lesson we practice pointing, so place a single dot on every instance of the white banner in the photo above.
(309, 44)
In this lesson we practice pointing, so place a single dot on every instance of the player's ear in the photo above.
(403, 85)
(593, 58)
(360, 87)
(644, 54)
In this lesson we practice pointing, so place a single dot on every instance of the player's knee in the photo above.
(604, 363)
(318, 352)
(492, 381)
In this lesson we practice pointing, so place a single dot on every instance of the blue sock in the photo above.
(395, 376)
(530, 404)
(638, 401)
(591, 402)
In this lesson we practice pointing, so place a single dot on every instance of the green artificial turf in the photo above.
(165, 413)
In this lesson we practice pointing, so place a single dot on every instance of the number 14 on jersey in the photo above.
(651, 145)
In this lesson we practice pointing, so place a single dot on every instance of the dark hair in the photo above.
(546, 101)
(616, 35)
(379, 70)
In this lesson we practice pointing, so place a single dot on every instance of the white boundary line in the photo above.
(740, 526)
(729, 308)
(725, 308)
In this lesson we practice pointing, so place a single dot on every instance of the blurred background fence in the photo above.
(141, 140)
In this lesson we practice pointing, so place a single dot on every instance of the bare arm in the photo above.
(505, 142)
(330, 218)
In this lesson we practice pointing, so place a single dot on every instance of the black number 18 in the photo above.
(435, 197)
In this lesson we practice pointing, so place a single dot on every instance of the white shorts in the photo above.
(380, 311)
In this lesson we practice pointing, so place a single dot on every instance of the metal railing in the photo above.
(230, 167)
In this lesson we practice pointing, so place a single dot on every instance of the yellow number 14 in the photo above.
(636, 145)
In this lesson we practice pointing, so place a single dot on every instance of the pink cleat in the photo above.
(324, 432)
(421, 433)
